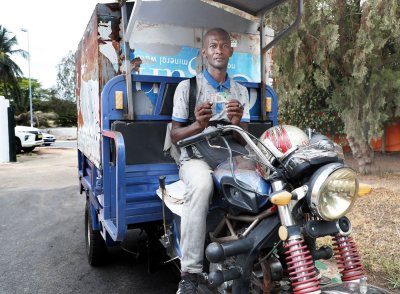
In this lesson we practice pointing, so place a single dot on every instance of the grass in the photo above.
(376, 229)
(394, 282)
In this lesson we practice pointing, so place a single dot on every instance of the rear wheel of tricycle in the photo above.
(96, 248)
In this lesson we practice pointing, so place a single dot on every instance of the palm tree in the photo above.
(9, 70)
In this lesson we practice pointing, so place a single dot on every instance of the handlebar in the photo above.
(208, 133)
(212, 132)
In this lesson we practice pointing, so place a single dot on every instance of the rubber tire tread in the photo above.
(28, 149)
(18, 146)
(97, 253)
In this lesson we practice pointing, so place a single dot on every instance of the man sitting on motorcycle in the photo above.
(218, 98)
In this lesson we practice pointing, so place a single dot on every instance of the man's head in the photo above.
(217, 48)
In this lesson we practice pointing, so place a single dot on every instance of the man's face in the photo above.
(217, 50)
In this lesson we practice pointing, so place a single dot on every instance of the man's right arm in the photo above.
(181, 131)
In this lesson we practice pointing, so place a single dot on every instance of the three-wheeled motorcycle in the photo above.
(271, 202)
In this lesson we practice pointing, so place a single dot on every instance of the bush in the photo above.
(65, 112)
(50, 113)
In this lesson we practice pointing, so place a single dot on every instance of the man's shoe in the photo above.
(188, 284)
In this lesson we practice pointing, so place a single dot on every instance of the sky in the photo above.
(54, 27)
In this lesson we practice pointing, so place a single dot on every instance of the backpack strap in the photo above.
(192, 99)
(192, 105)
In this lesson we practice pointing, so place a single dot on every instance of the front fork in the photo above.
(302, 271)
(348, 258)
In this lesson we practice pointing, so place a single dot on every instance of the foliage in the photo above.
(45, 102)
(19, 95)
(65, 110)
(66, 78)
(9, 70)
(343, 59)
(311, 110)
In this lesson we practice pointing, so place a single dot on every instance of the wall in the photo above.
(62, 133)
(4, 145)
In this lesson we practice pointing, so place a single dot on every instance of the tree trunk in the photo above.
(362, 153)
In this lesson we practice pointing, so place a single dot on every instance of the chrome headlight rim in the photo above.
(317, 183)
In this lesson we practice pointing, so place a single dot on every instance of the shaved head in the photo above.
(216, 31)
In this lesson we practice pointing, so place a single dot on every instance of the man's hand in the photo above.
(203, 114)
(235, 111)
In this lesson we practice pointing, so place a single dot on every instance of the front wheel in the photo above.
(28, 149)
(96, 248)
(18, 146)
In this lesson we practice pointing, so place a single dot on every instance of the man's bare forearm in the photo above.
(179, 131)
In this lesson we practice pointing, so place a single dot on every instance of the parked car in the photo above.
(27, 138)
(48, 139)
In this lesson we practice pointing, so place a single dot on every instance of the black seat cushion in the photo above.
(144, 141)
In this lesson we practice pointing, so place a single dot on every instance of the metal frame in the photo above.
(242, 5)
(116, 229)
(107, 185)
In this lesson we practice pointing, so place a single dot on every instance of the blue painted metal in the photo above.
(87, 175)
(117, 228)
(273, 116)
(159, 101)
(114, 224)
(120, 194)
(128, 192)
(118, 84)
(177, 236)
(95, 220)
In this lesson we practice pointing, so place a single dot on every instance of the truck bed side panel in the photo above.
(97, 61)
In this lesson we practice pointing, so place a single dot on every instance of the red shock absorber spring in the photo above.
(347, 258)
(302, 272)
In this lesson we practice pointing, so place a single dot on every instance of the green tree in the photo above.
(9, 70)
(66, 78)
(344, 57)
(22, 103)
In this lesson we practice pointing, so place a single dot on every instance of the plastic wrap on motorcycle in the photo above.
(350, 287)
(241, 200)
(307, 159)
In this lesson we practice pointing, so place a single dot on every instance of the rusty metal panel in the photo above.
(98, 59)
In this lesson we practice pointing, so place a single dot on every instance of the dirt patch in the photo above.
(376, 222)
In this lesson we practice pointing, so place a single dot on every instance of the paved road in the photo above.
(42, 246)
(62, 144)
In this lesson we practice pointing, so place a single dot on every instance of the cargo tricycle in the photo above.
(272, 200)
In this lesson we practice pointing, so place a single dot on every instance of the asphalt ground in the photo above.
(42, 247)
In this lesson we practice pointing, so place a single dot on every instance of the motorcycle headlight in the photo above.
(333, 191)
